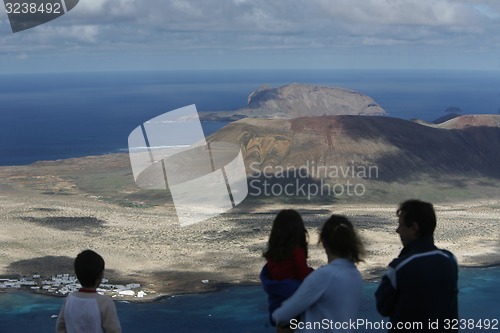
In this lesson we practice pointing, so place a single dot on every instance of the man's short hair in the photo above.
(420, 212)
(88, 267)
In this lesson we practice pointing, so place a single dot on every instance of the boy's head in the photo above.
(89, 267)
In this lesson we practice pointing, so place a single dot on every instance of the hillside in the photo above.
(471, 121)
(455, 155)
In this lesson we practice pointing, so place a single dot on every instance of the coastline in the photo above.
(214, 288)
(52, 210)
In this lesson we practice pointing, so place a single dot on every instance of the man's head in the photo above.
(416, 219)
(89, 268)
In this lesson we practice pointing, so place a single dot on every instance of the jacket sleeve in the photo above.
(386, 293)
(308, 293)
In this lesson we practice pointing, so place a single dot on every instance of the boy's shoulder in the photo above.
(101, 299)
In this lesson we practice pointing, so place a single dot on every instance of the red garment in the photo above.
(294, 267)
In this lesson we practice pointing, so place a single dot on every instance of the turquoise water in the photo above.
(235, 309)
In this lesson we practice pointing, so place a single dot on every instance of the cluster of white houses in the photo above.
(64, 284)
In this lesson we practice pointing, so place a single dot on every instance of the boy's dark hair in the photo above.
(420, 212)
(88, 267)
(339, 238)
(288, 232)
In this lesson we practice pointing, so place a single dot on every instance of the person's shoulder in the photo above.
(416, 257)
(450, 256)
(76, 294)
(100, 298)
(330, 268)
(318, 273)
(448, 253)
(104, 298)
(318, 279)
(397, 261)
(406, 258)
(336, 270)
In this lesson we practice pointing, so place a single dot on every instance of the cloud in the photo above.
(178, 26)
(214, 22)
(401, 12)
(83, 33)
(91, 7)
(298, 17)
(22, 56)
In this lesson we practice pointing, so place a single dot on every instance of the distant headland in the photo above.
(300, 100)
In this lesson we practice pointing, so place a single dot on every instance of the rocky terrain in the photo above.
(301, 100)
(42, 233)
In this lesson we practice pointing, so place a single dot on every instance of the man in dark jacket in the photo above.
(419, 290)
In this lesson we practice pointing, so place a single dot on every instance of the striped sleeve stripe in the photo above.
(391, 271)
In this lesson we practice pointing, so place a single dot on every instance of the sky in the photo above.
(112, 35)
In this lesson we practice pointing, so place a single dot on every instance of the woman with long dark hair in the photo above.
(332, 293)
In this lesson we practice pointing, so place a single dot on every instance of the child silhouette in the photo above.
(286, 256)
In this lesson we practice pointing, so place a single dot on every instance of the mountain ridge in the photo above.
(400, 148)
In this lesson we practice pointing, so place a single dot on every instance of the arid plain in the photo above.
(49, 211)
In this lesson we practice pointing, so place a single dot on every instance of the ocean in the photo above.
(56, 116)
(234, 309)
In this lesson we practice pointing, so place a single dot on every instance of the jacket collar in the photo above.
(422, 244)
